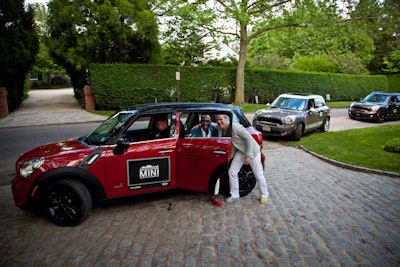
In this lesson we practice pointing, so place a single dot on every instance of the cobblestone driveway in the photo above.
(318, 215)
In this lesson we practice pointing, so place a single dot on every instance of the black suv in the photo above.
(293, 115)
(377, 106)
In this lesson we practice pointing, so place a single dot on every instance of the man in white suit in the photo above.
(245, 151)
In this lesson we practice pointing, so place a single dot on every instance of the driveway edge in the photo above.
(349, 166)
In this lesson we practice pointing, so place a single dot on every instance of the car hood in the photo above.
(63, 149)
(366, 104)
(276, 112)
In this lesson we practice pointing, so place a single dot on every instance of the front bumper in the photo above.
(363, 114)
(272, 130)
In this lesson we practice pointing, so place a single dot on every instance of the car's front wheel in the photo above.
(325, 125)
(247, 181)
(298, 132)
(67, 202)
(381, 117)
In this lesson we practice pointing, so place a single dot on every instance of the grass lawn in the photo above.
(359, 147)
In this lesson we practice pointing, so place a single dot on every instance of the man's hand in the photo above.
(247, 160)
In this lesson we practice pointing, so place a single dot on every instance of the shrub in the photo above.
(393, 145)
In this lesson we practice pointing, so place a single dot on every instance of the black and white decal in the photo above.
(148, 173)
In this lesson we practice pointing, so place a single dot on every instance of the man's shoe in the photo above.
(263, 200)
(215, 202)
(232, 199)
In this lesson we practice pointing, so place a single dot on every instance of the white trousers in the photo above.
(258, 171)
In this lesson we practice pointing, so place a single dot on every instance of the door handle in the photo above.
(165, 151)
(219, 152)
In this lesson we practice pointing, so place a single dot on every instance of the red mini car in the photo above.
(124, 158)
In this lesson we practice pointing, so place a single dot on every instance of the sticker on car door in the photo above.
(147, 173)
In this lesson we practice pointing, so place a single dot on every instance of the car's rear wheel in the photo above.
(298, 133)
(247, 181)
(381, 117)
(325, 125)
(67, 202)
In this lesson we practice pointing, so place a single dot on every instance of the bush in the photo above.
(393, 145)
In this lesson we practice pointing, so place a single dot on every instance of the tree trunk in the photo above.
(239, 93)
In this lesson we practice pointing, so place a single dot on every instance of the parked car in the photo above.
(377, 106)
(292, 115)
(118, 160)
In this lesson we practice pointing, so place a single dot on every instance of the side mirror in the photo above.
(268, 105)
(122, 146)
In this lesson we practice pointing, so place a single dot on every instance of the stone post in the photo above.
(3, 102)
(90, 103)
(89, 98)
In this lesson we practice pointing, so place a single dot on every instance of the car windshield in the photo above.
(102, 133)
(378, 98)
(289, 103)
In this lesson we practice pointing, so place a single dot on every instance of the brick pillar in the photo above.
(89, 98)
(3, 102)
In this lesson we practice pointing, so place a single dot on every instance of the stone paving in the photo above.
(318, 215)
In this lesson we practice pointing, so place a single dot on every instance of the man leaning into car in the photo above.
(245, 151)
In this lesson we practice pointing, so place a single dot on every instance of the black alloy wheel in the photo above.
(67, 202)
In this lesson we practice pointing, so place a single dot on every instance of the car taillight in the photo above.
(258, 137)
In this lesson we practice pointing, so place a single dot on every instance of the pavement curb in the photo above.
(349, 166)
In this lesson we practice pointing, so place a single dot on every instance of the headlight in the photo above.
(375, 108)
(290, 119)
(258, 112)
(29, 166)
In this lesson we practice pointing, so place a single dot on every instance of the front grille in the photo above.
(269, 121)
(360, 108)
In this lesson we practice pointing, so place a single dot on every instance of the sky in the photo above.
(36, 1)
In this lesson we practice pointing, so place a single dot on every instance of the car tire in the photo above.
(247, 181)
(298, 133)
(381, 117)
(325, 125)
(67, 202)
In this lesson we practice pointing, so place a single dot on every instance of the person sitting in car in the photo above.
(163, 129)
(206, 129)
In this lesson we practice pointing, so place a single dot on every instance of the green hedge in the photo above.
(118, 86)
(394, 83)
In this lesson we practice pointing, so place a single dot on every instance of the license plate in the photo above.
(266, 128)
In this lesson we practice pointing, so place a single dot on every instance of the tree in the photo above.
(245, 20)
(19, 45)
(44, 63)
(109, 31)
(347, 44)
(384, 28)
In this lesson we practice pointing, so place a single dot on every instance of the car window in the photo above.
(108, 128)
(378, 98)
(239, 117)
(319, 102)
(289, 103)
(192, 123)
(145, 128)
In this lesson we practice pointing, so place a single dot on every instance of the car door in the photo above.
(392, 110)
(199, 158)
(312, 120)
(145, 165)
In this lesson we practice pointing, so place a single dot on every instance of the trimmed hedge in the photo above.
(119, 86)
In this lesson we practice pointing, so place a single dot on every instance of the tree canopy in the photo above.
(19, 45)
(109, 31)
